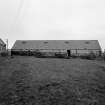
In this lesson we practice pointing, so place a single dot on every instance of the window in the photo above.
(87, 42)
(66, 42)
(24, 42)
(45, 42)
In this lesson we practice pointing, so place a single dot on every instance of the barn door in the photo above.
(68, 53)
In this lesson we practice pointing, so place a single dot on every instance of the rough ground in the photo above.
(50, 81)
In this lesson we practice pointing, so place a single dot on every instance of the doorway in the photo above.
(69, 53)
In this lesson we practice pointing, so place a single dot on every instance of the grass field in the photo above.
(50, 81)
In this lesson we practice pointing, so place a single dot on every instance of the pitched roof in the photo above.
(1, 42)
(56, 44)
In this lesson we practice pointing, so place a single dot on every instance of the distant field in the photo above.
(50, 81)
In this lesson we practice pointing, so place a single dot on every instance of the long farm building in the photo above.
(56, 47)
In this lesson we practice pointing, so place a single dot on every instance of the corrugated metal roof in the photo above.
(1, 42)
(56, 44)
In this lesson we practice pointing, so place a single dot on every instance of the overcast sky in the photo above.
(52, 19)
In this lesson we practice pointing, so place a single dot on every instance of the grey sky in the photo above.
(52, 19)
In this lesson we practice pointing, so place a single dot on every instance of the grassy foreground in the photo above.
(46, 81)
